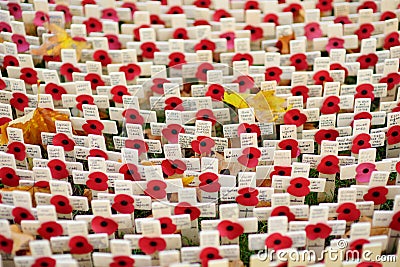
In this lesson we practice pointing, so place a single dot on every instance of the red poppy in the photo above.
(299, 187)
(67, 69)
(312, 30)
(171, 167)
(330, 105)
(245, 83)
(20, 214)
(6, 245)
(148, 49)
(251, 5)
(201, 22)
(377, 195)
(369, 264)
(136, 31)
(173, 103)
(271, 18)
(141, 146)
(61, 203)
(203, 144)
(118, 92)
(281, 171)
(364, 31)
(93, 25)
(9, 60)
(4, 120)
(66, 11)
(171, 132)
(186, 208)
(122, 261)
(361, 141)
(40, 18)
(324, 5)
(206, 115)
(334, 43)
(273, 74)
(357, 245)
(221, 13)
(132, 116)
(393, 135)
(387, 15)
(319, 230)
(365, 90)
(292, 145)
(9, 177)
(93, 127)
(348, 211)
(97, 181)
(294, 117)
(322, 76)
(207, 254)
(338, 66)
(202, 69)
(342, 20)
(103, 57)
(61, 139)
(5, 27)
(156, 189)
(130, 172)
(180, 33)
(247, 196)
(300, 90)
(368, 5)
(131, 71)
(276, 241)
(155, 19)
(215, 91)
(361, 116)
(367, 61)
(243, 57)
(167, 226)
(20, 41)
(176, 60)
(392, 79)
(395, 222)
(256, 32)
(79, 245)
(230, 229)
(50, 229)
(230, 39)
(88, 2)
(283, 211)
(397, 108)
(29, 75)
(299, 61)
(15, 10)
(58, 169)
(2, 84)
(19, 101)
(123, 204)
(104, 225)
(391, 40)
(18, 149)
(109, 13)
(249, 128)
(209, 182)
(202, 3)
(249, 157)
(205, 45)
(56, 91)
(131, 6)
(364, 172)
(175, 10)
(95, 80)
(84, 99)
(158, 85)
(113, 41)
(329, 165)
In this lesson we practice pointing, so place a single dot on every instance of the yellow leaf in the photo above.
(266, 105)
(187, 180)
(235, 99)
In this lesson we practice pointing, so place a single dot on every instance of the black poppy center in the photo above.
(298, 185)
(329, 163)
(228, 38)
(92, 25)
(229, 228)
(122, 263)
(215, 91)
(174, 131)
(209, 181)
(17, 149)
(156, 188)
(65, 142)
(3, 243)
(58, 168)
(296, 117)
(98, 180)
(358, 247)
(271, 73)
(80, 244)
(132, 116)
(317, 230)
(248, 130)
(164, 226)
(346, 211)
(111, 40)
(204, 70)
(180, 35)
(394, 134)
(49, 230)
(61, 203)
(70, 70)
(103, 224)
(20, 100)
(24, 215)
(188, 211)
(390, 80)
(360, 143)
(95, 81)
(277, 242)
(247, 195)
(174, 166)
(321, 78)
(271, 20)
(120, 93)
(124, 203)
(335, 43)
(20, 42)
(328, 135)
(312, 29)
(149, 49)
(136, 146)
(204, 47)
(376, 194)
(92, 126)
(250, 156)
(205, 117)
(364, 30)
(368, 60)
(85, 102)
(281, 173)
(288, 148)
(330, 104)
(298, 61)
(9, 176)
